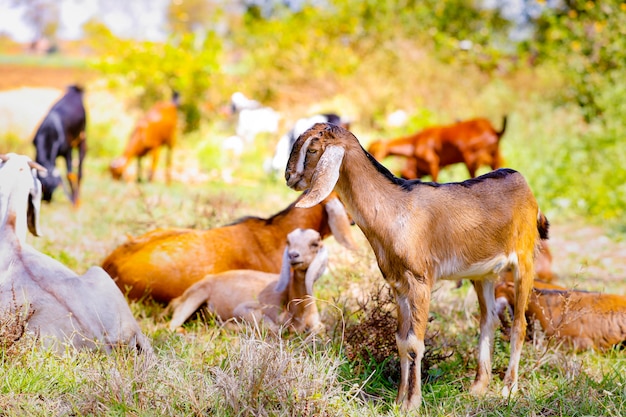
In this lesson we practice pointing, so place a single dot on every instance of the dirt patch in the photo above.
(14, 76)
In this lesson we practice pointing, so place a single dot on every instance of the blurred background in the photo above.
(393, 67)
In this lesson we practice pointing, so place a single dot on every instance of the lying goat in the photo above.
(165, 262)
(422, 232)
(254, 296)
(153, 131)
(284, 145)
(580, 319)
(86, 311)
(473, 142)
(62, 131)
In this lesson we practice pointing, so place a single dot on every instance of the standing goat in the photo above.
(86, 311)
(474, 142)
(252, 117)
(62, 131)
(156, 129)
(163, 263)
(422, 232)
(255, 296)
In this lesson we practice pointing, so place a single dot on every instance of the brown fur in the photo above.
(473, 142)
(253, 295)
(580, 320)
(422, 232)
(153, 131)
(163, 263)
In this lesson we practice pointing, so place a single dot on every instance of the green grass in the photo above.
(210, 370)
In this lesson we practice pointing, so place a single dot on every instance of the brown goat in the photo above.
(255, 296)
(581, 320)
(473, 142)
(165, 262)
(421, 232)
(156, 129)
(543, 265)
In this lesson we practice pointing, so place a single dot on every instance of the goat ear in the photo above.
(325, 176)
(285, 272)
(339, 223)
(316, 269)
(34, 205)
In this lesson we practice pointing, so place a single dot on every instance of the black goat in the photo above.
(60, 132)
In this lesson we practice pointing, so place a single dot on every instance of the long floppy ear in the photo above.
(316, 269)
(325, 176)
(340, 223)
(34, 201)
(285, 272)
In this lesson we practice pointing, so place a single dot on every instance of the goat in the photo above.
(582, 320)
(474, 142)
(252, 117)
(543, 265)
(283, 147)
(157, 128)
(60, 132)
(256, 296)
(421, 232)
(165, 262)
(86, 311)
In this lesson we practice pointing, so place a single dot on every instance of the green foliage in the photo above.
(188, 63)
(586, 41)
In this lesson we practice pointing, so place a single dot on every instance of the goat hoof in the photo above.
(478, 388)
(509, 391)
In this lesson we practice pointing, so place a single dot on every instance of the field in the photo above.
(211, 370)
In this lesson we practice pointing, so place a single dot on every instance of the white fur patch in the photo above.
(302, 157)
(453, 268)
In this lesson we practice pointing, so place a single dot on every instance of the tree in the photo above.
(41, 15)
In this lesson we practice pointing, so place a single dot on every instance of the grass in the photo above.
(209, 370)
(352, 369)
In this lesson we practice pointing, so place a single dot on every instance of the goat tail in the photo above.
(542, 225)
(503, 129)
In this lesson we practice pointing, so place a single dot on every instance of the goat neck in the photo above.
(20, 193)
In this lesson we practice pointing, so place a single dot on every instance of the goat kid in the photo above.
(165, 262)
(155, 130)
(422, 232)
(581, 320)
(62, 131)
(86, 311)
(255, 296)
(474, 142)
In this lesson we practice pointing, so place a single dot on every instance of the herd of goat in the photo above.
(487, 229)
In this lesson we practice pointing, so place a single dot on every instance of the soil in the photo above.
(15, 76)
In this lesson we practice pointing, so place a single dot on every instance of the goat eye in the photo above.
(312, 151)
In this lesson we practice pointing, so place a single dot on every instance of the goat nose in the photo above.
(287, 176)
(294, 255)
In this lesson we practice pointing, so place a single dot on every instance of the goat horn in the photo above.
(36, 166)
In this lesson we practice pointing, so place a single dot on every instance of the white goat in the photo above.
(255, 296)
(87, 311)
(421, 232)
(253, 118)
(278, 162)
